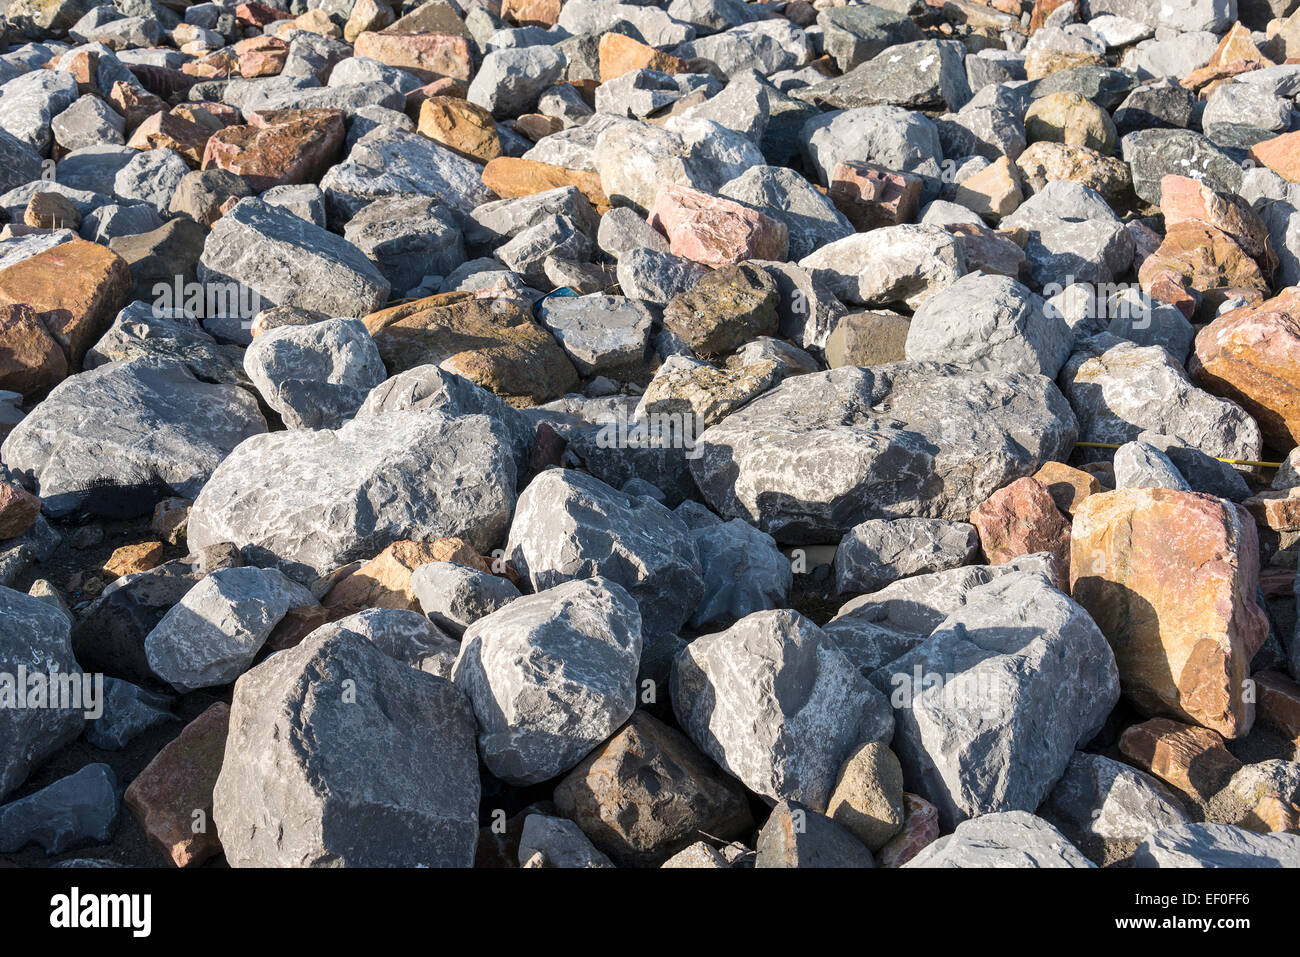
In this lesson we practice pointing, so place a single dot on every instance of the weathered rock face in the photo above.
(578, 643)
(775, 703)
(1003, 839)
(992, 705)
(340, 756)
(1249, 355)
(1170, 578)
(116, 439)
(880, 551)
(35, 645)
(822, 453)
(569, 525)
(1217, 845)
(798, 836)
(386, 477)
(647, 793)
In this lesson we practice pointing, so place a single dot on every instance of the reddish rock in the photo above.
(715, 231)
(278, 147)
(19, 509)
(871, 196)
(1237, 46)
(218, 65)
(135, 104)
(297, 624)
(31, 362)
(920, 830)
(211, 116)
(1183, 199)
(172, 796)
(1021, 519)
(510, 177)
(991, 250)
(1168, 287)
(385, 580)
(1170, 578)
(1281, 154)
(257, 14)
(427, 55)
(261, 56)
(1252, 356)
(174, 133)
(444, 86)
(621, 54)
(75, 289)
(1068, 486)
(532, 13)
(1277, 702)
(1042, 8)
(84, 67)
(1193, 760)
(1203, 259)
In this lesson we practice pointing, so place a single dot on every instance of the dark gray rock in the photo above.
(75, 810)
(795, 835)
(879, 552)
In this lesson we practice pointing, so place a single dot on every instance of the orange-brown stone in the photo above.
(31, 362)
(532, 13)
(261, 56)
(463, 127)
(510, 177)
(173, 132)
(134, 103)
(1183, 199)
(385, 580)
(1281, 154)
(621, 54)
(130, 559)
(1206, 260)
(1067, 485)
(1020, 519)
(1193, 760)
(427, 55)
(871, 196)
(1277, 701)
(278, 147)
(19, 509)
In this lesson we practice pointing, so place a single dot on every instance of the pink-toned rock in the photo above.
(257, 14)
(920, 829)
(1252, 356)
(1021, 519)
(715, 231)
(172, 797)
(18, 510)
(169, 131)
(278, 147)
(1183, 199)
(1281, 154)
(871, 196)
(427, 55)
(261, 56)
(1170, 578)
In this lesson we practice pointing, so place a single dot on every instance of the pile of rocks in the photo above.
(707, 433)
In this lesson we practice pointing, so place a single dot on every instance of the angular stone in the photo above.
(427, 55)
(797, 836)
(78, 809)
(868, 796)
(1191, 759)
(879, 552)
(278, 147)
(461, 126)
(31, 361)
(1021, 519)
(715, 231)
(1217, 845)
(895, 264)
(920, 830)
(455, 596)
(1003, 839)
(602, 335)
(388, 579)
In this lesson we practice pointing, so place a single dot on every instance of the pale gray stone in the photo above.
(1003, 839)
(881, 551)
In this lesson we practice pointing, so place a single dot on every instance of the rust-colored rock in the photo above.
(871, 196)
(1067, 485)
(1252, 356)
(1277, 702)
(367, 15)
(19, 509)
(532, 13)
(278, 147)
(495, 344)
(257, 14)
(537, 126)
(134, 103)
(1044, 62)
(1194, 760)
(75, 289)
(1020, 519)
(385, 580)
(1204, 259)
(621, 54)
(715, 231)
(205, 113)
(1170, 578)
(51, 211)
(130, 559)
(510, 177)
(1183, 199)
(297, 624)
(261, 56)
(1281, 154)
(427, 55)
(1236, 46)
(1042, 8)
(172, 796)
(920, 830)
(461, 126)
(174, 133)
(31, 362)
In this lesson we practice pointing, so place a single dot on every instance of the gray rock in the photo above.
(743, 572)
(287, 261)
(656, 277)
(360, 69)
(157, 432)
(29, 102)
(305, 201)
(170, 335)
(89, 121)
(548, 841)
(1173, 55)
(888, 135)
(108, 222)
(324, 499)
(316, 376)
(491, 224)
(879, 552)
(94, 169)
(1003, 839)
(655, 26)
(1073, 237)
(551, 675)
(454, 597)
(569, 525)
(807, 311)
(855, 34)
(774, 702)
(129, 711)
(795, 835)
(1138, 465)
(1154, 154)
(152, 177)
(508, 82)
(924, 75)
(20, 163)
(213, 634)
(991, 706)
(1217, 845)
(603, 335)
(407, 238)
(742, 107)
(767, 46)
(811, 219)
(34, 646)
(402, 635)
(825, 452)
(555, 237)
(893, 264)
(1098, 799)
(990, 323)
(78, 809)
(340, 756)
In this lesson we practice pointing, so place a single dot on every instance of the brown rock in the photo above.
(297, 624)
(75, 289)
(257, 14)
(1236, 46)
(31, 362)
(1044, 62)
(510, 177)
(461, 126)
(495, 344)
(1043, 162)
(920, 830)
(135, 104)
(1183, 199)
(867, 339)
(367, 15)
(19, 510)
(1281, 154)
(1263, 797)
(172, 796)
(278, 147)
(130, 559)
(1277, 702)
(427, 55)
(1204, 259)
(1068, 486)
(871, 196)
(170, 518)
(1170, 578)
(174, 133)
(385, 580)
(1042, 8)
(868, 796)
(261, 56)
(1072, 119)
(993, 251)
(1252, 356)
(532, 13)
(537, 126)
(1021, 519)
(1193, 760)
(211, 116)
(993, 192)
(51, 211)
(725, 309)
(315, 21)
(621, 54)
(647, 793)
